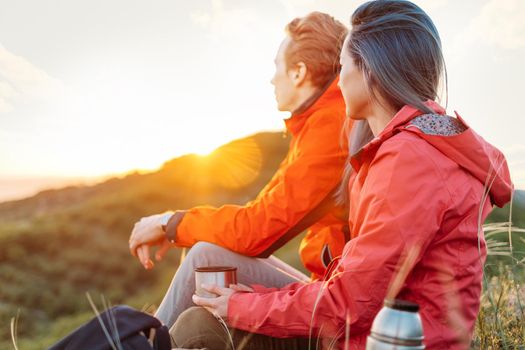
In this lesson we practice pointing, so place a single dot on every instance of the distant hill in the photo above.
(59, 244)
(189, 173)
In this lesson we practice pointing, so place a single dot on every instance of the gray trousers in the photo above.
(270, 272)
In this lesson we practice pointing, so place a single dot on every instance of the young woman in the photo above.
(419, 188)
(299, 196)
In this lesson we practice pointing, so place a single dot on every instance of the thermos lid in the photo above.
(398, 322)
(401, 305)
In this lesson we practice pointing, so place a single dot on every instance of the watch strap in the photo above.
(173, 223)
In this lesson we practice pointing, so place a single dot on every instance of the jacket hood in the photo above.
(459, 143)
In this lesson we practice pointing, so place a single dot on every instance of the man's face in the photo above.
(285, 86)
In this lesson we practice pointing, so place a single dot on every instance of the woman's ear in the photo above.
(298, 74)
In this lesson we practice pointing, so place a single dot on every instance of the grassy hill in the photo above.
(59, 244)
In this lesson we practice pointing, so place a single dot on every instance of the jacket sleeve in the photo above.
(276, 178)
(399, 212)
(303, 184)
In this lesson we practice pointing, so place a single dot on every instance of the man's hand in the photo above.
(148, 232)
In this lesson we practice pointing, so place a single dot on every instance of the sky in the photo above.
(100, 87)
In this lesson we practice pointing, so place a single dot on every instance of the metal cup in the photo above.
(221, 276)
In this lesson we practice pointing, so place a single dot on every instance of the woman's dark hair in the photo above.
(397, 47)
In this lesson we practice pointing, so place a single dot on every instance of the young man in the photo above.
(299, 196)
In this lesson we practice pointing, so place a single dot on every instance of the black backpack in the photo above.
(127, 328)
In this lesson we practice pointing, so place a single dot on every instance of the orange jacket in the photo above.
(300, 195)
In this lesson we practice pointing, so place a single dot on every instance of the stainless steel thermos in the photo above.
(397, 326)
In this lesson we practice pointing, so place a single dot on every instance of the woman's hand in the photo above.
(219, 306)
(239, 287)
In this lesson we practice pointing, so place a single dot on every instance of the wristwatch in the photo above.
(170, 221)
(165, 218)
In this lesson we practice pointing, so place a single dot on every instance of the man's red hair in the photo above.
(316, 40)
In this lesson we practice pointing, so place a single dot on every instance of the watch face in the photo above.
(164, 220)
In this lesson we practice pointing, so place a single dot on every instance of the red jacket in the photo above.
(299, 196)
(417, 199)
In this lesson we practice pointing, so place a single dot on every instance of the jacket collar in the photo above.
(400, 119)
(405, 115)
(325, 96)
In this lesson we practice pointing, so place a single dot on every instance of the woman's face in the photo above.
(353, 86)
(285, 86)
